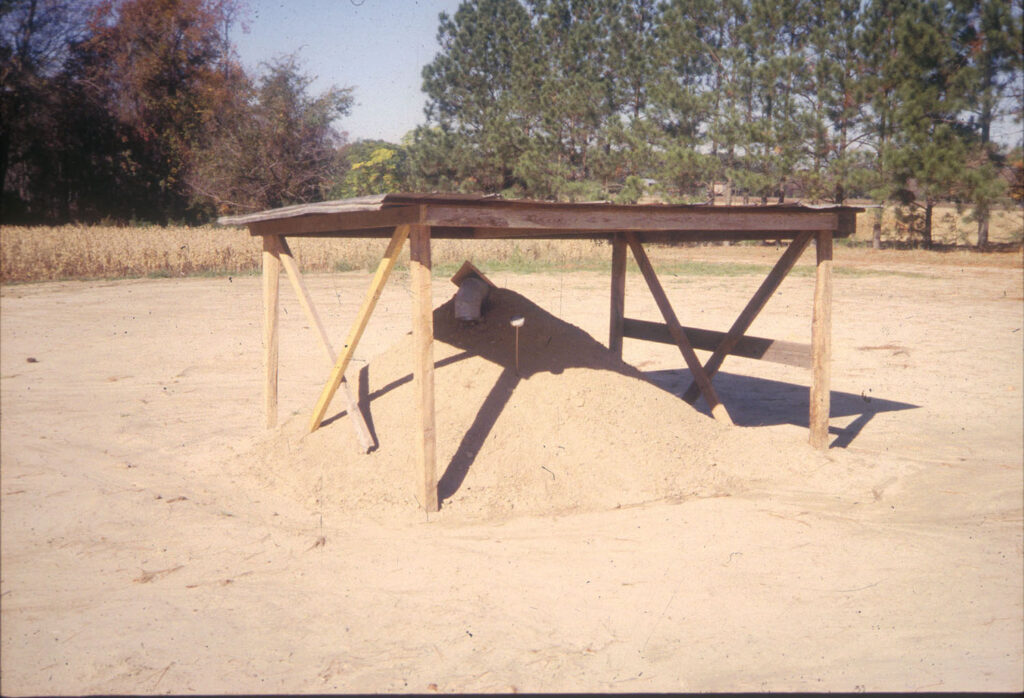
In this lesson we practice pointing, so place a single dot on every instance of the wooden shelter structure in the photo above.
(419, 218)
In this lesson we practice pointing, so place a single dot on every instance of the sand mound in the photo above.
(576, 429)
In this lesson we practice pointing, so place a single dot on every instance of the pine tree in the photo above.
(929, 156)
(838, 99)
(988, 39)
(777, 34)
(882, 80)
(481, 91)
(577, 92)
(625, 145)
(691, 37)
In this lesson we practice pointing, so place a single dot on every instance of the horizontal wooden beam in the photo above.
(651, 236)
(613, 219)
(381, 223)
(773, 350)
(450, 233)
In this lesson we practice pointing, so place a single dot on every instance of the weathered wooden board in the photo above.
(423, 363)
(468, 216)
(718, 410)
(772, 350)
(271, 295)
(821, 343)
(356, 333)
(618, 295)
(753, 308)
(306, 302)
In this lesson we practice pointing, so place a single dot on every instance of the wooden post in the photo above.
(821, 343)
(423, 362)
(753, 308)
(618, 300)
(369, 303)
(271, 282)
(299, 286)
(718, 410)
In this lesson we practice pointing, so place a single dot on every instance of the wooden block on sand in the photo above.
(467, 269)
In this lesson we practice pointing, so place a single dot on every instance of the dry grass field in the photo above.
(90, 252)
(93, 252)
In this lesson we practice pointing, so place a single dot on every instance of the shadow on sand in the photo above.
(764, 402)
(548, 344)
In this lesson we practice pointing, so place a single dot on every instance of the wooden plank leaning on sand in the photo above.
(718, 410)
(284, 253)
(356, 333)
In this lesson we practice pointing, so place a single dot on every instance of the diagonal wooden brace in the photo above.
(718, 410)
(754, 307)
(279, 245)
(356, 333)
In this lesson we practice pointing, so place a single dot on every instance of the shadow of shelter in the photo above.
(764, 402)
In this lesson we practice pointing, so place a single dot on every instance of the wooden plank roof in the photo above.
(482, 216)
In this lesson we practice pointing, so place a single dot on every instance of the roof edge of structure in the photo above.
(378, 202)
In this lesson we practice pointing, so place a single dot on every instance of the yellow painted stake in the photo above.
(356, 333)
(299, 286)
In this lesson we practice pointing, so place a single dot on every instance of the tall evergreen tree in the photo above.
(626, 141)
(686, 94)
(482, 89)
(929, 155)
(729, 86)
(989, 38)
(837, 98)
(882, 79)
(577, 92)
(774, 151)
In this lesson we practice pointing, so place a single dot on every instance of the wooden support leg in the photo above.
(271, 282)
(821, 343)
(423, 366)
(718, 410)
(618, 301)
(299, 286)
(356, 333)
(754, 307)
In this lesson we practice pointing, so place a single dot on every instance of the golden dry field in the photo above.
(45, 253)
(949, 226)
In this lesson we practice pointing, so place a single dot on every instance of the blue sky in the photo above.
(379, 47)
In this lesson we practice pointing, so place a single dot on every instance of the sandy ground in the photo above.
(146, 550)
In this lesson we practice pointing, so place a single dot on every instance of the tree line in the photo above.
(139, 109)
(894, 100)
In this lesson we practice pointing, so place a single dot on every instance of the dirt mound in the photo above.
(574, 429)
